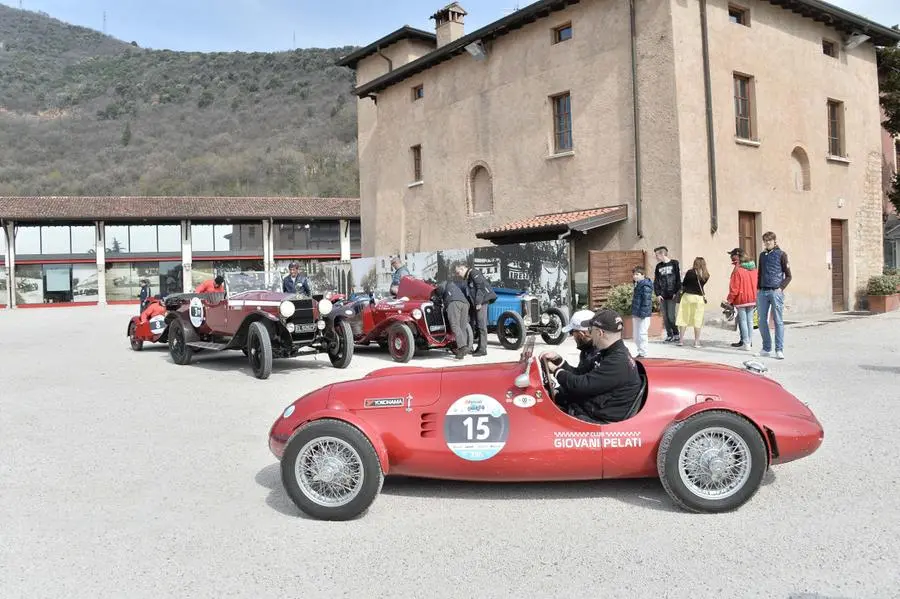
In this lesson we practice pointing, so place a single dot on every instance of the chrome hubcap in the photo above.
(714, 463)
(329, 472)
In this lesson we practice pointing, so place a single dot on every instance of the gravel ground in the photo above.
(123, 475)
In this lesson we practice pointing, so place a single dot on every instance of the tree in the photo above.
(889, 86)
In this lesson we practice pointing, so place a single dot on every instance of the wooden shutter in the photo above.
(608, 269)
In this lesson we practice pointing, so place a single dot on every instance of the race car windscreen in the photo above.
(527, 349)
(238, 282)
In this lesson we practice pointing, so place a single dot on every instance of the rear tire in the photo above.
(136, 344)
(401, 343)
(181, 353)
(259, 344)
(344, 453)
(715, 449)
(342, 356)
(560, 318)
(511, 330)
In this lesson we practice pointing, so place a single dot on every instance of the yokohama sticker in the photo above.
(195, 311)
(386, 402)
(476, 427)
(524, 401)
(596, 439)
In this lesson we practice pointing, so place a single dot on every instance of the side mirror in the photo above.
(523, 381)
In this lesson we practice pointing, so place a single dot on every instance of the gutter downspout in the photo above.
(638, 195)
(710, 141)
(389, 61)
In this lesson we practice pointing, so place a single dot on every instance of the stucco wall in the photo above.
(791, 94)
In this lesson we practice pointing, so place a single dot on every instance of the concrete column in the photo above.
(268, 245)
(100, 250)
(186, 256)
(345, 239)
(10, 265)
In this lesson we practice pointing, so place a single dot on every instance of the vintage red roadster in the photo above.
(709, 432)
(155, 330)
(414, 320)
(254, 315)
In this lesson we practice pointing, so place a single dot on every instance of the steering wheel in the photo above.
(545, 378)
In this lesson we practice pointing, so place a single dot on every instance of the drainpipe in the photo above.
(710, 142)
(638, 196)
(389, 61)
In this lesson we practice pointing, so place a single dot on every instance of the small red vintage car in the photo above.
(254, 315)
(708, 431)
(155, 330)
(414, 320)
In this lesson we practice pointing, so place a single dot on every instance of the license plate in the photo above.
(306, 328)
(435, 327)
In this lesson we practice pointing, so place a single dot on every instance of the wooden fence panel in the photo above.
(608, 269)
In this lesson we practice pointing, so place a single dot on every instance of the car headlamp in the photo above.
(321, 325)
(417, 314)
(287, 308)
(545, 318)
(325, 307)
(290, 327)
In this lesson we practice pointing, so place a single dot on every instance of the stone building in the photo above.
(695, 124)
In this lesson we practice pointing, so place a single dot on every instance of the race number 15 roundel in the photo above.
(476, 427)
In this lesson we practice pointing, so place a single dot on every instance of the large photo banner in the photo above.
(540, 268)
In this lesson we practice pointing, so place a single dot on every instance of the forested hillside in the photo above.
(82, 113)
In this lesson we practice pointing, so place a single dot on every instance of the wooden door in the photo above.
(838, 302)
(747, 234)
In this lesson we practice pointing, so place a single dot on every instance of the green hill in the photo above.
(82, 113)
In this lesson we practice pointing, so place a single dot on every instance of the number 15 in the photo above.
(481, 425)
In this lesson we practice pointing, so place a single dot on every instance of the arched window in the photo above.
(481, 192)
(800, 169)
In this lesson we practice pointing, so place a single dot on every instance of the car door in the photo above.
(216, 312)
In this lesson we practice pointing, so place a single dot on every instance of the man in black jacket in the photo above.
(606, 392)
(480, 294)
(457, 307)
(666, 285)
(578, 328)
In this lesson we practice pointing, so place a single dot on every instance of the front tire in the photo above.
(511, 330)
(330, 470)
(712, 462)
(555, 336)
(259, 346)
(178, 349)
(401, 343)
(136, 344)
(343, 354)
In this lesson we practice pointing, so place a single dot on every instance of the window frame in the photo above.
(416, 153)
(739, 118)
(836, 123)
(834, 47)
(558, 117)
(555, 33)
(742, 11)
(418, 92)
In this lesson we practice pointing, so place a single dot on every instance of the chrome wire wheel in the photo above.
(714, 463)
(329, 471)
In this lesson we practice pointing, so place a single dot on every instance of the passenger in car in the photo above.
(606, 392)
(216, 285)
(155, 307)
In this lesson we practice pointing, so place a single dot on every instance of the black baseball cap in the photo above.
(608, 320)
(735, 252)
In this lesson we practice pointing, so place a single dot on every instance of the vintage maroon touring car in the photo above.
(414, 320)
(254, 315)
(709, 432)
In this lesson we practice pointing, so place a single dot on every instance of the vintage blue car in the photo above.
(517, 314)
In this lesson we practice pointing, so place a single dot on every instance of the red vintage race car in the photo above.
(414, 320)
(709, 432)
(155, 330)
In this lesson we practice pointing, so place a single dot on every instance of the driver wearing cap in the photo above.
(578, 329)
(605, 392)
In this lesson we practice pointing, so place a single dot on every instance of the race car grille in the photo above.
(303, 312)
(531, 310)
(434, 319)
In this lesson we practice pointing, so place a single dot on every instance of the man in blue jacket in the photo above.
(641, 309)
(296, 281)
(774, 277)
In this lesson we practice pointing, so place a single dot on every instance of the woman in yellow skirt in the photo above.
(693, 301)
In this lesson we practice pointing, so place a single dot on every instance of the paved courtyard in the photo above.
(124, 475)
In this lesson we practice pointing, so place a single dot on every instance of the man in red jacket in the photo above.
(155, 307)
(216, 285)
(742, 293)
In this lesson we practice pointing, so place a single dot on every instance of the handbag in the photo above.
(702, 290)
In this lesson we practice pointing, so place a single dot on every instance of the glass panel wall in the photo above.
(204, 270)
(28, 241)
(143, 239)
(239, 238)
(56, 240)
(123, 279)
(55, 283)
(307, 236)
(355, 237)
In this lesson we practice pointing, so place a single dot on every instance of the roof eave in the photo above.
(538, 10)
(841, 19)
(405, 32)
(550, 229)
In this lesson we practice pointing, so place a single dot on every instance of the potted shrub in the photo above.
(619, 299)
(882, 294)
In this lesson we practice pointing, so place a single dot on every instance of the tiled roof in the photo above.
(405, 32)
(170, 207)
(578, 220)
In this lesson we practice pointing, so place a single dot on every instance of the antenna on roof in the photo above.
(511, 10)
(104, 21)
(295, 40)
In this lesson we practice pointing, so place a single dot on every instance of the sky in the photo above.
(273, 25)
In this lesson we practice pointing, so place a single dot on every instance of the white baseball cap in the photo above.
(579, 321)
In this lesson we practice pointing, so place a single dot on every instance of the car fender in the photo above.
(338, 413)
(724, 406)
(134, 320)
(241, 335)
